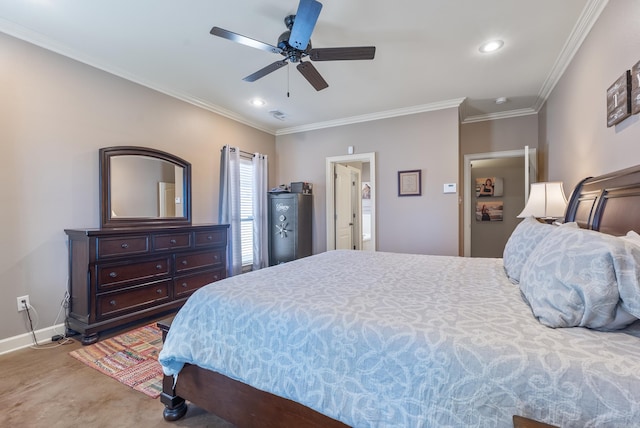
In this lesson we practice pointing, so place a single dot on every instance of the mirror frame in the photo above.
(106, 221)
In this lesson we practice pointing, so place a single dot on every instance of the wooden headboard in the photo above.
(609, 203)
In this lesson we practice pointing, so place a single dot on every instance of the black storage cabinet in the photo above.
(289, 226)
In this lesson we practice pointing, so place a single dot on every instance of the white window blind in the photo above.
(246, 210)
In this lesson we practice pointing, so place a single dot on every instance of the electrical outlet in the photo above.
(23, 306)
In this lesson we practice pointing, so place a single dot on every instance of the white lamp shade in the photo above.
(546, 200)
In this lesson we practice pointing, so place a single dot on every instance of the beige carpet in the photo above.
(48, 388)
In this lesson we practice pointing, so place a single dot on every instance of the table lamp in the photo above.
(547, 202)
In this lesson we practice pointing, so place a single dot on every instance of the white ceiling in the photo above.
(427, 53)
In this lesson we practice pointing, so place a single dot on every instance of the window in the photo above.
(246, 211)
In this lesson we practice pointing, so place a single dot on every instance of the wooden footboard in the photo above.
(234, 401)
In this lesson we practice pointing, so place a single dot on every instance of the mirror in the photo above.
(143, 187)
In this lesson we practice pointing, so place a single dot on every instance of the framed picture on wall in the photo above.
(619, 99)
(635, 88)
(410, 183)
(366, 190)
(489, 186)
(489, 210)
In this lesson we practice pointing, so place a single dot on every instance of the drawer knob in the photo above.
(184, 285)
(172, 241)
(216, 257)
(215, 277)
(112, 303)
(124, 245)
(158, 266)
(159, 291)
(184, 262)
(113, 274)
(210, 238)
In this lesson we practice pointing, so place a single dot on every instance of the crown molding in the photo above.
(499, 115)
(588, 18)
(37, 39)
(455, 103)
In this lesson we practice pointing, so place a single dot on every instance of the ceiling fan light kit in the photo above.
(295, 45)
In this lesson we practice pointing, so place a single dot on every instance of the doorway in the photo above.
(348, 207)
(527, 161)
(367, 224)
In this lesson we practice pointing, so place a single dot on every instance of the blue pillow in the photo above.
(578, 277)
(524, 239)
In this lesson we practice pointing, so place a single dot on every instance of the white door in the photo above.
(166, 199)
(343, 204)
(356, 208)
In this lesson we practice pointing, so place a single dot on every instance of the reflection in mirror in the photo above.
(145, 187)
(142, 187)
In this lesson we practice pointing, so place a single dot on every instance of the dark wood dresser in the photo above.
(121, 275)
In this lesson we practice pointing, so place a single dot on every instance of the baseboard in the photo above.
(43, 336)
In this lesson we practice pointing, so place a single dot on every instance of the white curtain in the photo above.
(260, 212)
(229, 206)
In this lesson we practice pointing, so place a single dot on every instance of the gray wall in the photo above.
(573, 128)
(428, 141)
(54, 116)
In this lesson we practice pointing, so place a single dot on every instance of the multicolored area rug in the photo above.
(131, 358)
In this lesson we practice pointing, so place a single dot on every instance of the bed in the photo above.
(348, 338)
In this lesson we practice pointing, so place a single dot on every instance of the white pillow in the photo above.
(578, 277)
(524, 239)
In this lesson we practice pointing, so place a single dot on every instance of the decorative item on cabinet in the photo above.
(289, 226)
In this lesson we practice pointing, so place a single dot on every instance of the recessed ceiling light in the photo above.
(491, 46)
(501, 100)
(257, 102)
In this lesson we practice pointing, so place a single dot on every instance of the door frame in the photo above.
(530, 159)
(330, 194)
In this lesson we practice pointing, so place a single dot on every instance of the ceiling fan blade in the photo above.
(311, 74)
(266, 70)
(238, 38)
(342, 54)
(306, 18)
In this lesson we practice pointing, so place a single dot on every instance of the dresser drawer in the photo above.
(199, 260)
(174, 241)
(122, 246)
(116, 275)
(114, 304)
(211, 238)
(185, 285)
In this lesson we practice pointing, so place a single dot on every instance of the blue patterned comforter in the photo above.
(398, 340)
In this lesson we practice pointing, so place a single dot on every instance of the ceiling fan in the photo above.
(295, 45)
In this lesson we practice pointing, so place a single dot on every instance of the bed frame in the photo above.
(609, 203)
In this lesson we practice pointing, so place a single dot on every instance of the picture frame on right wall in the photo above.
(619, 99)
(635, 88)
